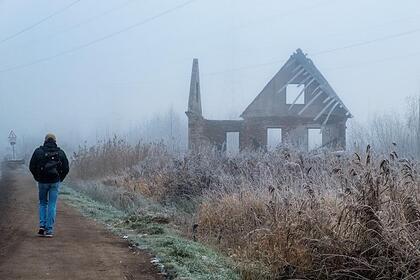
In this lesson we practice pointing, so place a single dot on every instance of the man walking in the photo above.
(49, 166)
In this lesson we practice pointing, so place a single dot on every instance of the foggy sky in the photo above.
(240, 45)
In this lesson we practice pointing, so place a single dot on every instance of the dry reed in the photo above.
(284, 214)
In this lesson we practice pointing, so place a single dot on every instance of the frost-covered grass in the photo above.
(151, 231)
(280, 215)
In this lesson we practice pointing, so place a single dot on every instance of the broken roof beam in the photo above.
(310, 102)
(291, 80)
(326, 99)
(316, 89)
(334, 98)
(305, 81)
(323, 110)
(297, 68)
(297, 98)
(301, 92)
(310, 83)
(330, 112)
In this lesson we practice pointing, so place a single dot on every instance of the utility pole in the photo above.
(171, 113)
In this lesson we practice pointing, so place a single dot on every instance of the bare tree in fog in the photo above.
(169, 128)
(390, 131)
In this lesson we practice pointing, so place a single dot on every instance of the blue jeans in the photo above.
(48, 194)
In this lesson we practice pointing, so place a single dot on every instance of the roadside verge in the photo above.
(176, 256)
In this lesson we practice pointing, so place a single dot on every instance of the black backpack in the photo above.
(51, 163)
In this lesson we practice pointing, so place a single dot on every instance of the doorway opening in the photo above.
(232, 143)
(314, 138)
(274, 138)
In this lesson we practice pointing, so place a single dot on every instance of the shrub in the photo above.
(283, 214)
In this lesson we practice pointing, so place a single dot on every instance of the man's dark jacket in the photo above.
(38, 160)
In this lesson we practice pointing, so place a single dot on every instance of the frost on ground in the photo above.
(176, 256)
(282, 214)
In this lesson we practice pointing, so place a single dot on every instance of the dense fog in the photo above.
(87, 70)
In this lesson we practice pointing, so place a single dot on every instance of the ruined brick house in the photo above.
(297, 99)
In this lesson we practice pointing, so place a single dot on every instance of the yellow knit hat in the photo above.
(50, 136)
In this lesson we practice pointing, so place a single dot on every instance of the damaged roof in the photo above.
(305, 66)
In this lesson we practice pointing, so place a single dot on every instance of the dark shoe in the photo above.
(41, 231)
(48, 234)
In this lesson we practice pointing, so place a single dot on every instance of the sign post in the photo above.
(12, 141)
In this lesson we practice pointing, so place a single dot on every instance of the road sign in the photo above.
(12, 138)
(12, 141)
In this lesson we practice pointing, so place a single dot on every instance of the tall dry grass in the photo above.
(113, 157)
(285, 214)
(335, 218)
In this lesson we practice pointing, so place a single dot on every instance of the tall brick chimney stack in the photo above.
(194, 101)
(194, 112)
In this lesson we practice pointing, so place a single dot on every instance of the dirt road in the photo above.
(80, 248)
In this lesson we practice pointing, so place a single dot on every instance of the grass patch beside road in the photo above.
(181, 258)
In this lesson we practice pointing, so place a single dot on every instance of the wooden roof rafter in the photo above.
(330, 112)
(300, 72)
(308, 65)
(302, 91)
(311, 101)
(297, 70)
(324, 109)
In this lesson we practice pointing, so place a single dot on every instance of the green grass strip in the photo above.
(181, 258)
